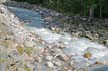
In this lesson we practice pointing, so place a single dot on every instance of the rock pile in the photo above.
(19, 48)
(17, 44)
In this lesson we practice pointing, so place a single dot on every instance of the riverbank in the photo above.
(82, 54)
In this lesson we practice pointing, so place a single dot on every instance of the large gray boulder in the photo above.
(3, 1)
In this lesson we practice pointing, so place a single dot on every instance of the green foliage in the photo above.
(81, 7)
(105, 7)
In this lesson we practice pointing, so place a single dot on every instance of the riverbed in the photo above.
(75, 47)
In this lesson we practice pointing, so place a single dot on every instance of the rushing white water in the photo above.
(74, 46)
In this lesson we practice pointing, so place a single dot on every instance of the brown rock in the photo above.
(98, 62)
(87, 55)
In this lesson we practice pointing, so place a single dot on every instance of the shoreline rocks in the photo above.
(46, 57)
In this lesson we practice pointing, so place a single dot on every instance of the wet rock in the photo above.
(88, 35)
(103, 60)
(97, 52)
(87, 55)
(63, 57)
(52, 28)
(98, 62)
(76, 34)
(105, 42)
(96, 36)
(55, 29)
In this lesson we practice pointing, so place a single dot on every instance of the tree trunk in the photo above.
(100, 5)
(91, 12)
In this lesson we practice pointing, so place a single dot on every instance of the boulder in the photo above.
(3, 1)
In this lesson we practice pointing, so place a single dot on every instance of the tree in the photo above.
(100, 9)
(90, 8)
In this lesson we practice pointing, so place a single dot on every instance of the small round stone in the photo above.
(49, 58)
(87, 55)
(29, 44)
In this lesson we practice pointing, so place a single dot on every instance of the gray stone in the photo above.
(29, 44)
(58, 63)
(49, 58)
(63, 57)
(3, 1)
(50, 64)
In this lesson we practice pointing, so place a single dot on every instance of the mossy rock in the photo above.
(87, 55)
(28, 50)
(20, 50)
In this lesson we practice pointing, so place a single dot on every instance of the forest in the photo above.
(91, 8)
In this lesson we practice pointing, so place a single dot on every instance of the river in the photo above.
(76, 47)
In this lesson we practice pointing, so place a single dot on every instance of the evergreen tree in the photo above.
(89, 8)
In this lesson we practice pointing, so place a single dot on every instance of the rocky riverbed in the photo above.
(77, 25)
(35, 39)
